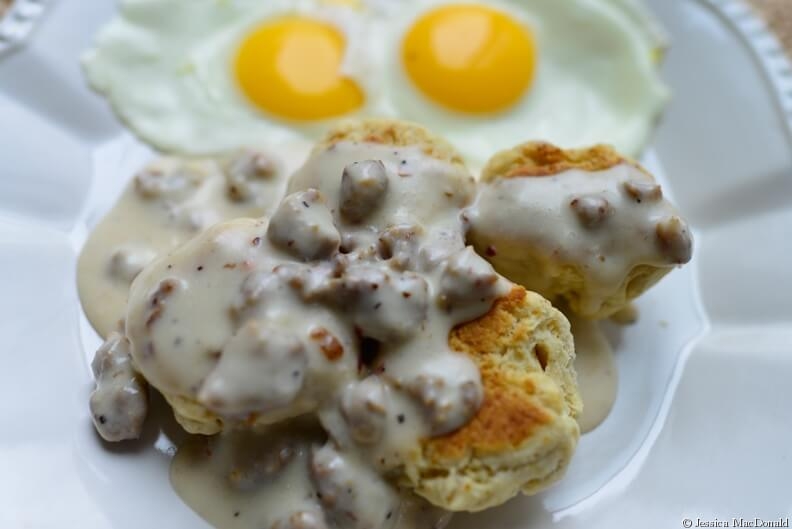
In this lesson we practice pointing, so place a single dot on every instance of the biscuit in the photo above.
(579, 225)
(523, 436)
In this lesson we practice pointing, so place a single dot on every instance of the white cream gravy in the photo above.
(186, 310)
(597, 373)
(261, 320)
(167, 203)
(604, 223)
(260, 316)
(279, 478)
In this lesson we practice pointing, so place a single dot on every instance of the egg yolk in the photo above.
(470, 58)
(290, 68)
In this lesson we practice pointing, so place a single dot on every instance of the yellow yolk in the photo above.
(470, 58)
(290, 67)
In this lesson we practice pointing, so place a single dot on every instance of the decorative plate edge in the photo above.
(18, 22)
(766, 48)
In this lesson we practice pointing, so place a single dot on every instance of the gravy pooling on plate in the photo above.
(167, 203)
(596, 369)
(281, 479)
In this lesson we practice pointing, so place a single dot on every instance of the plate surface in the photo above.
(702, 420)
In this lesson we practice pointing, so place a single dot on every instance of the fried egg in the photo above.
(204, 76)
(573, 72)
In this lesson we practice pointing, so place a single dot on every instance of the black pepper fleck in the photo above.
(306, 204)
(102, 419)
(400, 418)
(236, 514)
(200, 268)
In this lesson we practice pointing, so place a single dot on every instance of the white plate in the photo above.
(701, 427)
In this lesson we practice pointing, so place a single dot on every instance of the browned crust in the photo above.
(484, 335)
(535, 159)
(390, 132)
(512, 412)
(505, 420)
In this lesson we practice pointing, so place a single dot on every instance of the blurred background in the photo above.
(778, 14)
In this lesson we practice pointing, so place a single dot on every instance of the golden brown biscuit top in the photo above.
(393, 133)
(582, 234)
(544, 159)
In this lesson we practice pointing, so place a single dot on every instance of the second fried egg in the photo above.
(573, 72)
